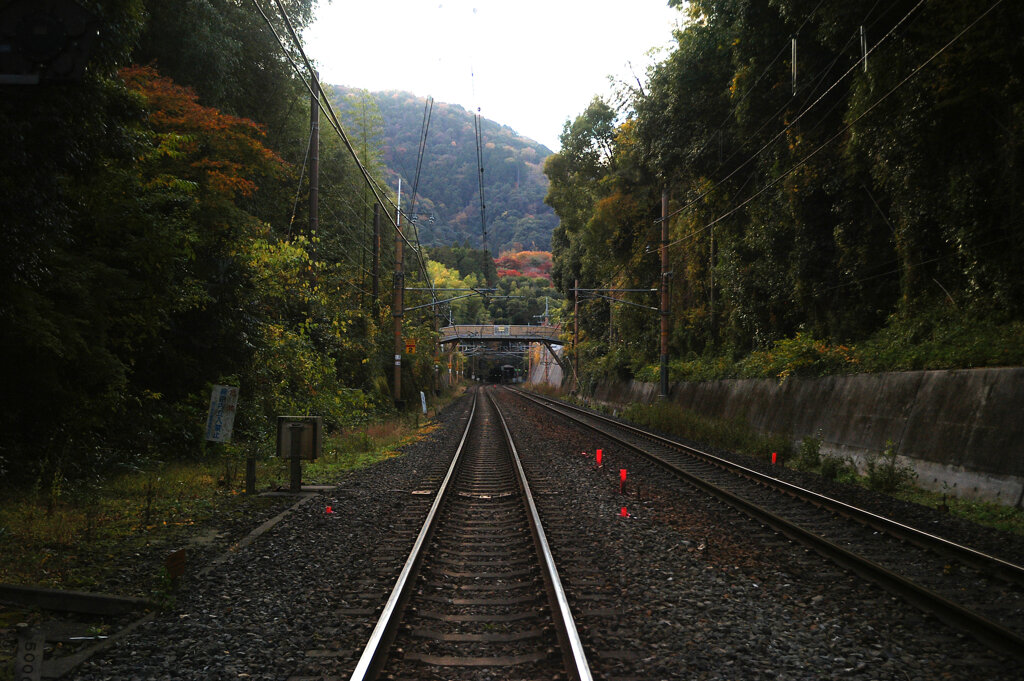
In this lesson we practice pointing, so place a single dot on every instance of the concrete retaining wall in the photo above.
(961, 430)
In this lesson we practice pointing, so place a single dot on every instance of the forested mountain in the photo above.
(448, 203)
(859, 207)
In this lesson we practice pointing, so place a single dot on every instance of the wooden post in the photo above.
(295, 463)
(437, 355)
(375, 266)
(576, 329)
(664, 294)
(399, 300)
(314, 159)
(250, 475)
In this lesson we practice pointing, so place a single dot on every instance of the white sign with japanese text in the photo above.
(223, 402)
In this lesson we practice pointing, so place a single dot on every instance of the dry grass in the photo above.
(72, 537)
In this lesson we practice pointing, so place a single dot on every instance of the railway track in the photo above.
(980, 594)
(479, 596)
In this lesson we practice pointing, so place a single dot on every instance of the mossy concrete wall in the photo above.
(962, 431)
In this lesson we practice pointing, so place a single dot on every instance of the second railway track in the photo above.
(977, 593)
(479, 597)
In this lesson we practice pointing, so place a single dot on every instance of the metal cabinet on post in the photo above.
(298, 438)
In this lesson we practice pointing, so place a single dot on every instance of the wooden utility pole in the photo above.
(375, 266)
(314, 159)
(399, 299)
(437, 355)
(576, 328)
(664, 294)
(711, 286)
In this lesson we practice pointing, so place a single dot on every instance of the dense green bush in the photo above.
(939, 337)
(808, 454)
(839, 468)
(874, 229)
(885, 473)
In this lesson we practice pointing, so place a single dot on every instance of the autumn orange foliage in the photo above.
(535, 264)
(221, 153)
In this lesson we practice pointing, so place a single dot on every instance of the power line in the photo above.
(325, 107)
(922, 263)
(477, 127)
(795, 120)
(298, 188)
(739, 102)
(841, 132)
(817, 80)
(428, 109)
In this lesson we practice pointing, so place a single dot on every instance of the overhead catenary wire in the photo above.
(428, 109)
(841, 132)
(817, 80)
(379, 194)
(796, 120)
(739, 102)
(327, 109)
(298, 188)
(483, 204)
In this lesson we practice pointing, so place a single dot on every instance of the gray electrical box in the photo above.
(300, 437)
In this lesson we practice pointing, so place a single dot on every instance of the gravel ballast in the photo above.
(682, 589)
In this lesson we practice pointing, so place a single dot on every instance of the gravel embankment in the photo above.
(683, 589)
(1005, 545)
(704, 593)
(299, 601)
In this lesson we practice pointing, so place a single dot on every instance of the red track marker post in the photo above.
(774, 457)
(623, 513)
(622, 481)
(599, 452)
(328, 510)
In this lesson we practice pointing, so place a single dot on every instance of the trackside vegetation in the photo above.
(79, 536)
(158, 242)
(882, 473)
(857, 209)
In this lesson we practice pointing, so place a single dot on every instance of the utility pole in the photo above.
(399, 302)
(576, 328)
(711, 287)
(375, 267)
(664, 294)
(437, 356)
(314, 159)
(611, 322)
(529, 361)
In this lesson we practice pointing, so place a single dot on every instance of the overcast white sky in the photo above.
(528, 64)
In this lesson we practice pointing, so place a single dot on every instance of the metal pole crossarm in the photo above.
(452, 290)
(436, 302)
(623, 302)
(616, 290)
(665, 296)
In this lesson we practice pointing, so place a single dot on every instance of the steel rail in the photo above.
(983, 629)
(1009, 571)
(375, 653)
(568, 635)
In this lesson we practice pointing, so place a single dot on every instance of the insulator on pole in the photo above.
(864, 48)
(793, 60)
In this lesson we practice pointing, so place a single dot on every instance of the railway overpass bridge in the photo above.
(502, 337)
